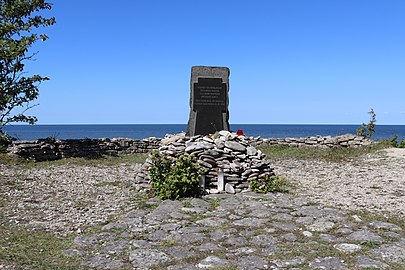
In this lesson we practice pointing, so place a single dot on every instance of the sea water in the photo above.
(140, 131)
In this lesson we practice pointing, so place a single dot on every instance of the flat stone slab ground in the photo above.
(243, 231)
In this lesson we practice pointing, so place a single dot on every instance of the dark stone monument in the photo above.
(209, 88)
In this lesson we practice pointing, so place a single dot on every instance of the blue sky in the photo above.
(291, 61)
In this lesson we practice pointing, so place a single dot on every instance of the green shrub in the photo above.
(393, 142)
(174, 178)
(402, 144)
(268, 184)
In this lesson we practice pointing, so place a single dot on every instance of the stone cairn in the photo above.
(230, 160)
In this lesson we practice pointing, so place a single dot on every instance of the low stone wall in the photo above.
(347, 141)
(51, 149)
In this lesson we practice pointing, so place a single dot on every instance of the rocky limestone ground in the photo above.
(315, 226)
(374, 182)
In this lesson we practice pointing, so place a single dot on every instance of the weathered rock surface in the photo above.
(52, 149)
(373, 182)
(347, 140)
(217, 237)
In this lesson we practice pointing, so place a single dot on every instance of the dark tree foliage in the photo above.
(19, 25)
(368, 130)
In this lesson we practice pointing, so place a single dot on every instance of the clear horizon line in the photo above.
(61, 124)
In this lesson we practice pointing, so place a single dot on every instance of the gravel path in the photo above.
(375, 182)
(66, 198)
(312, 228)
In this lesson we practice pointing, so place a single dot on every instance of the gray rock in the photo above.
(205, 164)
(115, 227)
(235, 146)
(211, 153)
(147, 257)
(157, 235)
(385, 226)
(365, 236)
(251, 151)
(198, 146)
(318, 212)
(197, 202)
(208, 247)
(219, 235)
(328, 238)
(250, 222)
(163, 211)
(219, 143)
(252, 262)
(260, 212)
(179, 253)
(191, 238)
(321, 226)
(236, 242)
(264, 240)
(244, 250)
(229, 188)
(307, 234)
(186, 266)
(285, 226)
(345, 247)
(193, 229)
(392, 235)
(290, 237)
(212, 261)
(247, 172)
(116, 246)
(394, 252)
(225, 133)
(282, 216)
(141, 244)
(328, 263)
(290, 262)
(366, 262)
(101, 261)
(93, 240)
(212, 221)
(343, 231)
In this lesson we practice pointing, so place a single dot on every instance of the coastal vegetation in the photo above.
(268, 184)
(174, 179)
(367, 130)
(394, 142)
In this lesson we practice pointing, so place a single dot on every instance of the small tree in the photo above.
(369, 129)
(19, 19)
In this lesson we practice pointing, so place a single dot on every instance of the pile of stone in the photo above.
(227, 158)
(346, 141)
(52, 149)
